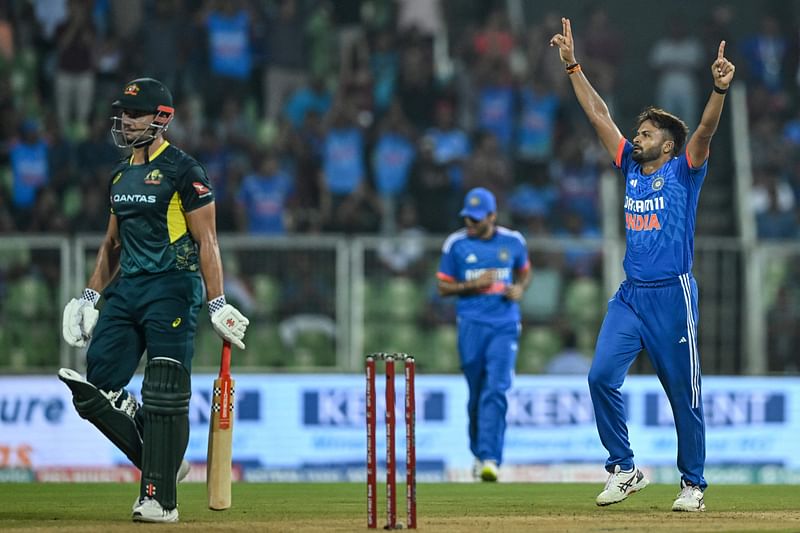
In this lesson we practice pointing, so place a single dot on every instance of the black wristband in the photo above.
(720, 91)
(573, 67)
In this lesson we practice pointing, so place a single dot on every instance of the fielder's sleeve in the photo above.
(623, 159)
(448, 269)
(521, 261)
(687, 172)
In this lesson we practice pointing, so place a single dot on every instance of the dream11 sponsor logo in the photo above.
(724, 408)
(538, 407)
(347, 407)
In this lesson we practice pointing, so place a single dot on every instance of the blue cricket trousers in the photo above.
(488, 354)
(660, 317)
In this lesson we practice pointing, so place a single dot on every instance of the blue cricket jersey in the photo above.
(465, 258)
(660, 215)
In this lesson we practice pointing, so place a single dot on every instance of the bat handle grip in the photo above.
(225, 362)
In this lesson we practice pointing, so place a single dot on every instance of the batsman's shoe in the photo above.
(77, 383)
(183, 471)
(149, 510)
(690, 499)
(489, 470)
(121, 399)
(477, 465)
(620, 485)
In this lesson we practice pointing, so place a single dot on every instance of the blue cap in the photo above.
(478, 204)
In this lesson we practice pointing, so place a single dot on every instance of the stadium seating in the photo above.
(266, 292)
(28, 313)
(402, 298)
(537, 346)
(310, 339)
(542, 299)
(584, 309)
(443, 351)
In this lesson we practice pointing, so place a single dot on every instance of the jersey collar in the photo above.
(155, 154)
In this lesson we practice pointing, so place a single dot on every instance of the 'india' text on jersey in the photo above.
(660, 214)
(150, 202)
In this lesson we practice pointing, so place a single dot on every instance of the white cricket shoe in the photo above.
(690, 499)
(620, 485)
(477, 465)
(489, 470)
(149, 510)
(183, 471)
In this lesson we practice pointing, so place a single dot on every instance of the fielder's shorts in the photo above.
(157, 312)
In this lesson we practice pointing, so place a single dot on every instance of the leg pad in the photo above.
(166, 391)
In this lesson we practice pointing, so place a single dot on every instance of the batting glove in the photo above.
(79, 318)
(228, 322)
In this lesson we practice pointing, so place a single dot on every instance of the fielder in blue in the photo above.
(487, 267)
(655, 308)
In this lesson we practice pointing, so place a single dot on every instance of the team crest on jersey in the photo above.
(503, 254)
(116, 178)
(154, 177)
(658, 183)
(132, 89)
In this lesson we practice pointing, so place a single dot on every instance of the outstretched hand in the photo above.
(722, 70)
(564, 42)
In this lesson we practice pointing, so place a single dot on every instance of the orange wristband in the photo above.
(573, 68)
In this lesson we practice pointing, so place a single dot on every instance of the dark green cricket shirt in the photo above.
(150, 202)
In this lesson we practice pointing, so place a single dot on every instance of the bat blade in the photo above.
(220, 437)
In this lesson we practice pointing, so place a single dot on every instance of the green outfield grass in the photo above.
(459, 507)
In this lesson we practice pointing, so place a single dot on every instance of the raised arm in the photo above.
(722, 72)
(595, 108)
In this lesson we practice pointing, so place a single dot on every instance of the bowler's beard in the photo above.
(645, 156)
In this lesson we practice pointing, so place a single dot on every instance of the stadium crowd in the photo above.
(365, 116)
(318, 116)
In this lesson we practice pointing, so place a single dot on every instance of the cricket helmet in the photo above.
(142, 96)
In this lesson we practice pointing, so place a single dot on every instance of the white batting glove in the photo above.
(228, 322)
(79, 318)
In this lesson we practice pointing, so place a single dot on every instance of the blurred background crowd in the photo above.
(366, 115)
(375, 116)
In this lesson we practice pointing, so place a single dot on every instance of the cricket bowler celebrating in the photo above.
(655, 308)
(161, 236)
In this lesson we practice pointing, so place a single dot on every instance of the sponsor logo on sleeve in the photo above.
(202, 190)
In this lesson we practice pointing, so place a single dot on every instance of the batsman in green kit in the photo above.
(159, 249)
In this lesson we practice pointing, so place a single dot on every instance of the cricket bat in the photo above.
(220, 436)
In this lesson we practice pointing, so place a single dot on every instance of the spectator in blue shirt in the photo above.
(263, 196)
(30, 170)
